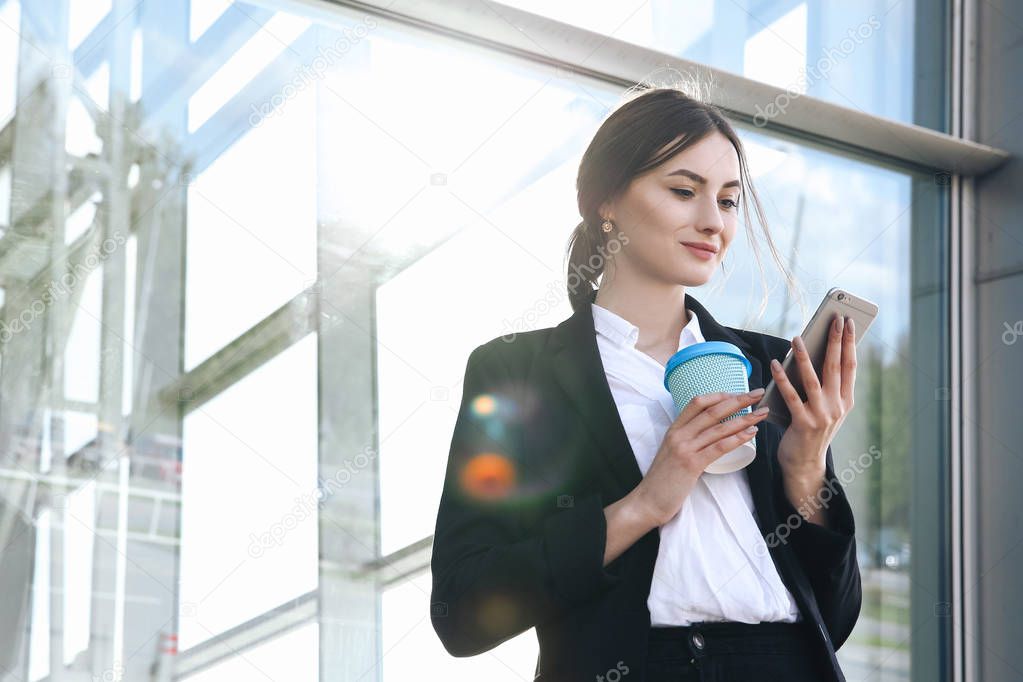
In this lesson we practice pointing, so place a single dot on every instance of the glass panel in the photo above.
(79, 540)
(886, 59)
(5, 198)
(878, 233)
(39, 636)
(412, 645)
(248, 544)
(81, 382)
(263, 214)
(291, 656)
(201, 15)
(10, 18)
(83, 18)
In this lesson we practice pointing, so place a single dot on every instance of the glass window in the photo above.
(248, 515)
(884, 59)
(412, 646)
(10, 19)
(290, 656)
(878, 232)
(256, 201)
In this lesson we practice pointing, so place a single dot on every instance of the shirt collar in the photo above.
(624, 334)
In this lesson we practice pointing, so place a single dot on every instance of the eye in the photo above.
(688, 194)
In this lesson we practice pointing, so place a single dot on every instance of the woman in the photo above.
(575, 500)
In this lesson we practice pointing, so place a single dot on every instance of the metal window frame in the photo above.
(962, 318)
(578, 51)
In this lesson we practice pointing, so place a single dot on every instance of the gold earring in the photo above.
(607, 225)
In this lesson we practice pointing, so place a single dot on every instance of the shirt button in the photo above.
(697, 639)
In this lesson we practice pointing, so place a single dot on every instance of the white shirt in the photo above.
(707, 568)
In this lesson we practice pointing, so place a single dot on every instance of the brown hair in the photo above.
(625, 146)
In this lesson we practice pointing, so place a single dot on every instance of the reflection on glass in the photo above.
(884, 60)
(10, 17)
(257, 203)
(841, 222)
(412, 645)
(248, 525)
(291, 656)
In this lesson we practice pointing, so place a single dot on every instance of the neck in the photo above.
(658, 312)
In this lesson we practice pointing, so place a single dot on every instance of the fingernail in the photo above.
(798, 343)
(751, 429)
(849, 328)
(775, 364)
(756, 391)
(763, 410)
(838, 324)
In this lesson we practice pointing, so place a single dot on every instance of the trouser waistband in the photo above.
(728, 637)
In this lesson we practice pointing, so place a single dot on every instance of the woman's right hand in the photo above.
(696, 438)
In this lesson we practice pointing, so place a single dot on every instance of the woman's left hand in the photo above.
(804, 445)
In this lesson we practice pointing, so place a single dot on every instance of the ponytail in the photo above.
(585, 264)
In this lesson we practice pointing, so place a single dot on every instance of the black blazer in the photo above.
(520, 533)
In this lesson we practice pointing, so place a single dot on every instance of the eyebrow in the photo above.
(699, 178)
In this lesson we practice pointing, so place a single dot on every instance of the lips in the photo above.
(704, 247)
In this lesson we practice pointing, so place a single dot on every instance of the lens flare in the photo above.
(488, 476)
(484, 405)
(498, 613)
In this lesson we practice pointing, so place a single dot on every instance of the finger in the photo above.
(831, 373)
(788, 392)
(710, 405)
(718, 421)
(729, 405)
(725, 445)
(698, 404)
(708, 409)
(727, 428)
(849, 362)
(811, 385)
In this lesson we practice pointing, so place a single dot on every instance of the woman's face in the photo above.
(692, 197)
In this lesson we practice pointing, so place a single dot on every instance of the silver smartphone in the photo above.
(836, 302)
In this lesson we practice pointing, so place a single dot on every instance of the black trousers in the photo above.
(730, 651)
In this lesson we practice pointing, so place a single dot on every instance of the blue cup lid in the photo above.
(704, 348)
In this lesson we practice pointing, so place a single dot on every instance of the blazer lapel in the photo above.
(578, 368)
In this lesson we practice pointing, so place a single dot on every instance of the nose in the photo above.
(709, 220)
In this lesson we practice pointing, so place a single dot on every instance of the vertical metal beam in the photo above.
(59, 312)
(965, 551)
(114, 228)
(32, 375)
(349, 526)
(154, 431)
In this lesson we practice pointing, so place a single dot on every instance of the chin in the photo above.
(694, 280)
